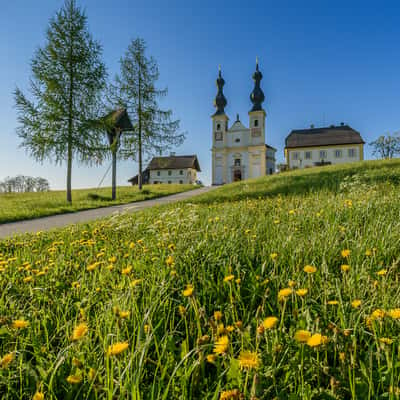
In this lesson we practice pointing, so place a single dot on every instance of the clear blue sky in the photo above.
(323, 63)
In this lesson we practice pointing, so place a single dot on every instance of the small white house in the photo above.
(171, 169)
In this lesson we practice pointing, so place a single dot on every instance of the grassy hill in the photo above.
(21, 206)
(284, 287)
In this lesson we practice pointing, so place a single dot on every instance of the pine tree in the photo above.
(68, 77)
(135, 89)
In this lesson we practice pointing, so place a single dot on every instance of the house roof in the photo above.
(270, 147)
(333, 135)
(174, 162)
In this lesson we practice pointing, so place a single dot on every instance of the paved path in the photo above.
(58, 221)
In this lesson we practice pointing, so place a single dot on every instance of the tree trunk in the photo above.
(114, 175)
(140, 180)
(69, 173)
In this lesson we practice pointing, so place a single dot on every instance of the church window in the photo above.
(237, 162)
(158, 173)
(237, 140)
(180, 172)
(308, 155)
(169, 173)
(352, 152)
(256, 122)
(218, 127)
(218, 136)
(322, 154)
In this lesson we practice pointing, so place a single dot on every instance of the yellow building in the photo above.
(322, 146)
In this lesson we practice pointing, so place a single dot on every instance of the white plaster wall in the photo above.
(330, 156)
(189, 176)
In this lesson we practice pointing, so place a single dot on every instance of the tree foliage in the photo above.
(68, 77)
(386, 146)
(135, 89)
(23, 184)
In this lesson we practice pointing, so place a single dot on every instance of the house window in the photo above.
(308, 155)
(218, 136)
(256, 122)
(180, 172)
(180, 181)
(158, 173)
(322, 154)
(169, 173)
(237, 140)
(352, 152)
(169, 181)
(237, 162)
(295, 155)
(338, 153)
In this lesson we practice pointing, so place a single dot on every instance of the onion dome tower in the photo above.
(257, 95)
(220, 100)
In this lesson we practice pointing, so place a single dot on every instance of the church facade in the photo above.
(240, 152)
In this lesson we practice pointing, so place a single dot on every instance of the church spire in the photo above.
(257, 95)
(220, 100)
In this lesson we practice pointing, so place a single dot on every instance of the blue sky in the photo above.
(323, 63)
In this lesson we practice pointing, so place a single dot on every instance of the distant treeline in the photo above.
(21, 184)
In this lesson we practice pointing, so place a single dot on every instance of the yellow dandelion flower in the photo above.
(124, 314)
(310, 269)
(342, 356)
(146, 328)
(211, 358)
(284, 293)
(79, 331)
(217, 315)
(317, 340)
(221, 345)
(248, 360)
(302, 336)
(117, 348)
(74, 379)
(394, 313)
(127, 270)
(239, 324)
(233, 394)
(378, 314)
(384, 340)
(28, 279)
(301, 292)
(135, 282)
(270, 322)
(382, 272)
(132, 245)
(38, 396)
(333, 302)
(292, 283)
(229, 278)
(273, 256)
(20, 324)
(6, 360)
(182, 310)
(368, 252)
(344, 267)
(188, 292)
(75, 285)
(356, 303)
(230, 328)
(170, 261)
(112, 259)
(345, 253)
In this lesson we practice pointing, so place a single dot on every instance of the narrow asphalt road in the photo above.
(61, 220)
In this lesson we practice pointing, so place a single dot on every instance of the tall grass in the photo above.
(191, 288)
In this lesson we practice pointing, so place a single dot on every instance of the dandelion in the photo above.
(310, 269)
(79, 331)
(233, 394)
(344, 267)
(91, 374)
(170, 261)
(378, 314)
(302, 336)
(127, 270)
(217, 315)
(6, 360)
(221, 345)
(345, 253)
(74, 379)
(182, 310)
(270, 322)
(229, 278)
(333, 302)
(124, 314)
(342, 356)
(382, 272)
(292, 283)
(117, 348)
(248, 360)
(284, 293)
(394, 313)
(368, 253)
(301, 292)
(239, 324)
(387, 341)
(317, 340)
(211, 358)
(28, 279)
(20, 324)
(188, 292)
(135, 282)
(38, 396)
(356, 303)
(273, 256)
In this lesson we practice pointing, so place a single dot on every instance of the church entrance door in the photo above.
(237, 175)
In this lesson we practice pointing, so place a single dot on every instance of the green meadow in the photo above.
(284, 287)
(20, 206)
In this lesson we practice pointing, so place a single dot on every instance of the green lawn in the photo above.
(20, 206)
(285, 287)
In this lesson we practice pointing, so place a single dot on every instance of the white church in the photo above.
(239, 152)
